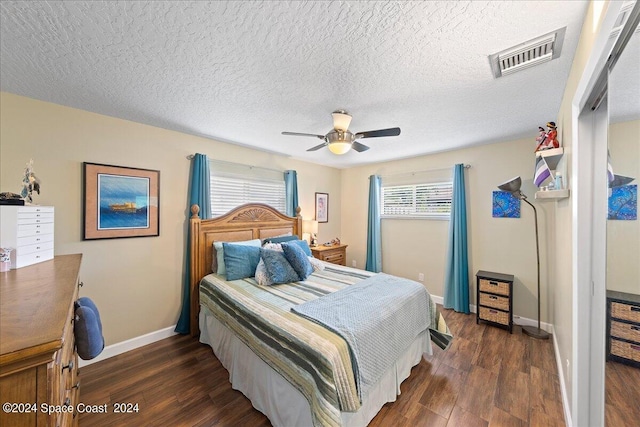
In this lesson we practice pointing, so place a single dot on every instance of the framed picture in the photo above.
(120, 201)
(322, 207)
(623, 203)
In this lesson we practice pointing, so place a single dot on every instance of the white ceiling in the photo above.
(244, 71)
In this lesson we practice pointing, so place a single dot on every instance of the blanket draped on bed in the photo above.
(379, 318)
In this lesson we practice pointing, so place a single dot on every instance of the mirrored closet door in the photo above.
(622, 370)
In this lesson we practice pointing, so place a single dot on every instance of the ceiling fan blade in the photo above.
(317, 147)
(359, 147)
(303, 134)
(379, 133)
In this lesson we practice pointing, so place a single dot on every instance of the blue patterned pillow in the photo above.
(278, 268)
(240, 261)
(298, 259)
(303, 244)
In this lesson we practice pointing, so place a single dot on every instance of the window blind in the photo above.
(232, 185)
(425, 200)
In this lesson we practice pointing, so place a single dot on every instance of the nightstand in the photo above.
(336, 254)
(495, 298)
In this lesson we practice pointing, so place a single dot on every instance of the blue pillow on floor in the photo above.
(87, 330)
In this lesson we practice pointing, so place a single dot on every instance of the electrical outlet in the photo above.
(354, 263)
(421, 277)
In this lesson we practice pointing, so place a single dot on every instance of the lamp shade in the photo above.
(309, 226)
(512, 185)
(341, 120)
(340, 147)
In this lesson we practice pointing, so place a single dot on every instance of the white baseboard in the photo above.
(131, 344)
(563, 388)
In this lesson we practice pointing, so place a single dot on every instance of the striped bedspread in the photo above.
(313, 359)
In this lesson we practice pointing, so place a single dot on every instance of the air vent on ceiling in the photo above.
(527, 54)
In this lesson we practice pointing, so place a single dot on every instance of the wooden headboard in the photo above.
(246, 222)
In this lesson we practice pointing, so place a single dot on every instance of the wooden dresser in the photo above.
(495, 298)
(336, 254)
(623, 328)
(38, 360)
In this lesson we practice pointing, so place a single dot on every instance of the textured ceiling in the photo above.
(243, 71)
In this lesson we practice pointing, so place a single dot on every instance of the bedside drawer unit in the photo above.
(623, 328)
(28, 230)
(494, 296)
(336, 254)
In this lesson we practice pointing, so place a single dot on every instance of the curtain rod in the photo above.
(191, 156)
(422, 171)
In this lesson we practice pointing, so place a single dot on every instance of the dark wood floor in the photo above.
(488, 377)
(622, 395)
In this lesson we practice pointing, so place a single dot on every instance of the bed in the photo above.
(292, 369)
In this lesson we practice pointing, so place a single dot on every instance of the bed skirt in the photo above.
(268, 390)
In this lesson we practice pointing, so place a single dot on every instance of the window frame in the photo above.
(446, 185)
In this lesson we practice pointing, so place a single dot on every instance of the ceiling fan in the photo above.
(340, 139)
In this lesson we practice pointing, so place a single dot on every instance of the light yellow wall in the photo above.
(136, 283)
(561, 292)
(623, 237)
(504, 245)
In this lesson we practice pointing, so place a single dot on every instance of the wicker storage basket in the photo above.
(625, 349)
(494, 315)
(494, 301)
(625, 311)
(494, 287)
(626, 331)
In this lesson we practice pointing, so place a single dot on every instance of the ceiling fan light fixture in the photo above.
(339, 147)
(341, 120)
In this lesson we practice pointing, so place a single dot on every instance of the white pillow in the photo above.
(262, 277)
(220, 252)
(273, 246)
(316, 264)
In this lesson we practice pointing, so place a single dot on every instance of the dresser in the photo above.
(623, 328)
(335, 254)
(28, 230)
(494, 296)
(38, 360)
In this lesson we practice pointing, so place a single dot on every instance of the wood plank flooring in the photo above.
(488, 377)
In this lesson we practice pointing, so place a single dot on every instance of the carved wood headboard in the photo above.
(246, 222)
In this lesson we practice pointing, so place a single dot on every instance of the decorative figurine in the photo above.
(552, 136)
(542, 137)
(30, 183)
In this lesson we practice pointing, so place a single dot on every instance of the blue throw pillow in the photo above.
(297, 259)
(303, 245)
(87, 302)
(221, 270)
(278, 268)
(240, 261)
(279, 239)
(88, 336)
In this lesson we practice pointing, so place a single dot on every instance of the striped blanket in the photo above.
(314, 360)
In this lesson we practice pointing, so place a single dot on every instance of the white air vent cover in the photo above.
(530, 53)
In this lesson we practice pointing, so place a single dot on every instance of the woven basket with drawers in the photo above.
(623, 327)
(494, 298)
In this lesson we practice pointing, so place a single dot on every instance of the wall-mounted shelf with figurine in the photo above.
(553, 194)
(551, 158)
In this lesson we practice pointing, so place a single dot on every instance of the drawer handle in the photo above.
(76, 386)
(635, 347)
(81, 284)
(492, 297)
(635, 308)
(69, 366)
(493, 311)
(67, 402)
(493, 283)
(635, 328)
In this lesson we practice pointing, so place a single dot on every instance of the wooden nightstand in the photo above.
(336, 254)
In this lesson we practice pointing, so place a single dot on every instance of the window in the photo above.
(232, 185)
(427, 200)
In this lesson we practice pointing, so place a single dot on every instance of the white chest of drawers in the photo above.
(28, 230)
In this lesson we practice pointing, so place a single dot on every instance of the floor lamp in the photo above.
(513, 186)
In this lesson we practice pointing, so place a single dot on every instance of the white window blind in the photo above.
(232, 185)
(426, 200)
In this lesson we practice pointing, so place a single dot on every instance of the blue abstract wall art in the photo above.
(505, 205)
(623, 203)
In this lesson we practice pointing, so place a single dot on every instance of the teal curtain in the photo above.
(291, 192)
(456, 283)
(374, 240)
(198, 194)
